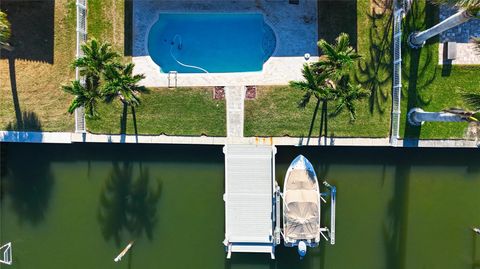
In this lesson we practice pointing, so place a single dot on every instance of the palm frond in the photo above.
(472, 99)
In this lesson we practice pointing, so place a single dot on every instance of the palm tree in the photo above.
(84, 97)
(96, 56)
(328, 80)
(5, 32)
(119, 82)
(338, 58)
(349, 94)
(468, 10)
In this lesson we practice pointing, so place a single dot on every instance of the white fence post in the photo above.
(81, 38)
(397, 75)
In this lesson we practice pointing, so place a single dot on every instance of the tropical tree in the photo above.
(86, 97)
(96, 56)
(5, 32)
(468, 10)
(348, 95)
(120, 83)
(329, 80)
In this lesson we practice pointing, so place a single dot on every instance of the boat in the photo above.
(302, 207)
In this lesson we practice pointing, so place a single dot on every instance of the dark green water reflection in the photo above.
(77, 206)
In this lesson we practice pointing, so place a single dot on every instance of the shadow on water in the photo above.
(128, 204)
(420, 69)
(395, 227)
(28, 182)
(375, 72)
(32, 25)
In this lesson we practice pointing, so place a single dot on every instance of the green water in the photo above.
(77, 206)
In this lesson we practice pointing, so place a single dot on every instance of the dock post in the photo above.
(277, 214)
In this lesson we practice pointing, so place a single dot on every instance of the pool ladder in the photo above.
(172, 76)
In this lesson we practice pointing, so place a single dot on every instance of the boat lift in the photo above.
(333, 197)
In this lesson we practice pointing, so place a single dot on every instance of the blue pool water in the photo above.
(210, 42)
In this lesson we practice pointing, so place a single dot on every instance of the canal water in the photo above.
(78, 206)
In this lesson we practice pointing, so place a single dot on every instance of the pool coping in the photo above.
(70, 137)
(276, 63)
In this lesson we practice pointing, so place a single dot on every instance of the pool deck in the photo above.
(291, 23)
(467, 54)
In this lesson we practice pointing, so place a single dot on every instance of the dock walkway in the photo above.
(250, 199)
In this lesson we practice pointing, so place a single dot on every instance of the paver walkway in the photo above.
(235, 96)
(462, 34)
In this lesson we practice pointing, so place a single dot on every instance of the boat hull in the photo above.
(301, 207)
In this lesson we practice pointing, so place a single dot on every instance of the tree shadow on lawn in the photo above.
(419, 64)
(123, 123)
(128, 28)
(340, 17)
(32, 25)
(375, 72)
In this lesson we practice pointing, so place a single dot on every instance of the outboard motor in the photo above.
(302, 249)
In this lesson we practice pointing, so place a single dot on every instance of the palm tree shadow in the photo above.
(13, 85)
(123, 119)
(375, 73)
(312, 123)
(134, 117)
(420, 69)
(29, 189)
(395, 227)
(28, 121)
(127, 204)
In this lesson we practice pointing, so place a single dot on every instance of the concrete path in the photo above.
(235, 109)
(68, 138)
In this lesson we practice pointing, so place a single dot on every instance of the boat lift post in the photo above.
(333, 197)
(277, 214)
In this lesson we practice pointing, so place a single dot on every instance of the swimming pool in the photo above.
(211, 42)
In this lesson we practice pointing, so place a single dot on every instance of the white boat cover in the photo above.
(302, 220)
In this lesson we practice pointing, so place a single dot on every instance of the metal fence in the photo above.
(81, 38)
(397, 76)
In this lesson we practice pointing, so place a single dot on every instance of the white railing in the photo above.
(397, 75)
(81, 38)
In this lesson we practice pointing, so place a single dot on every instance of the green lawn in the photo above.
(430, 86)
(275, 112)
(43, 35)
(181, 111)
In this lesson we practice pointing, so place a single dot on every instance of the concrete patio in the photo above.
(295, 27)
